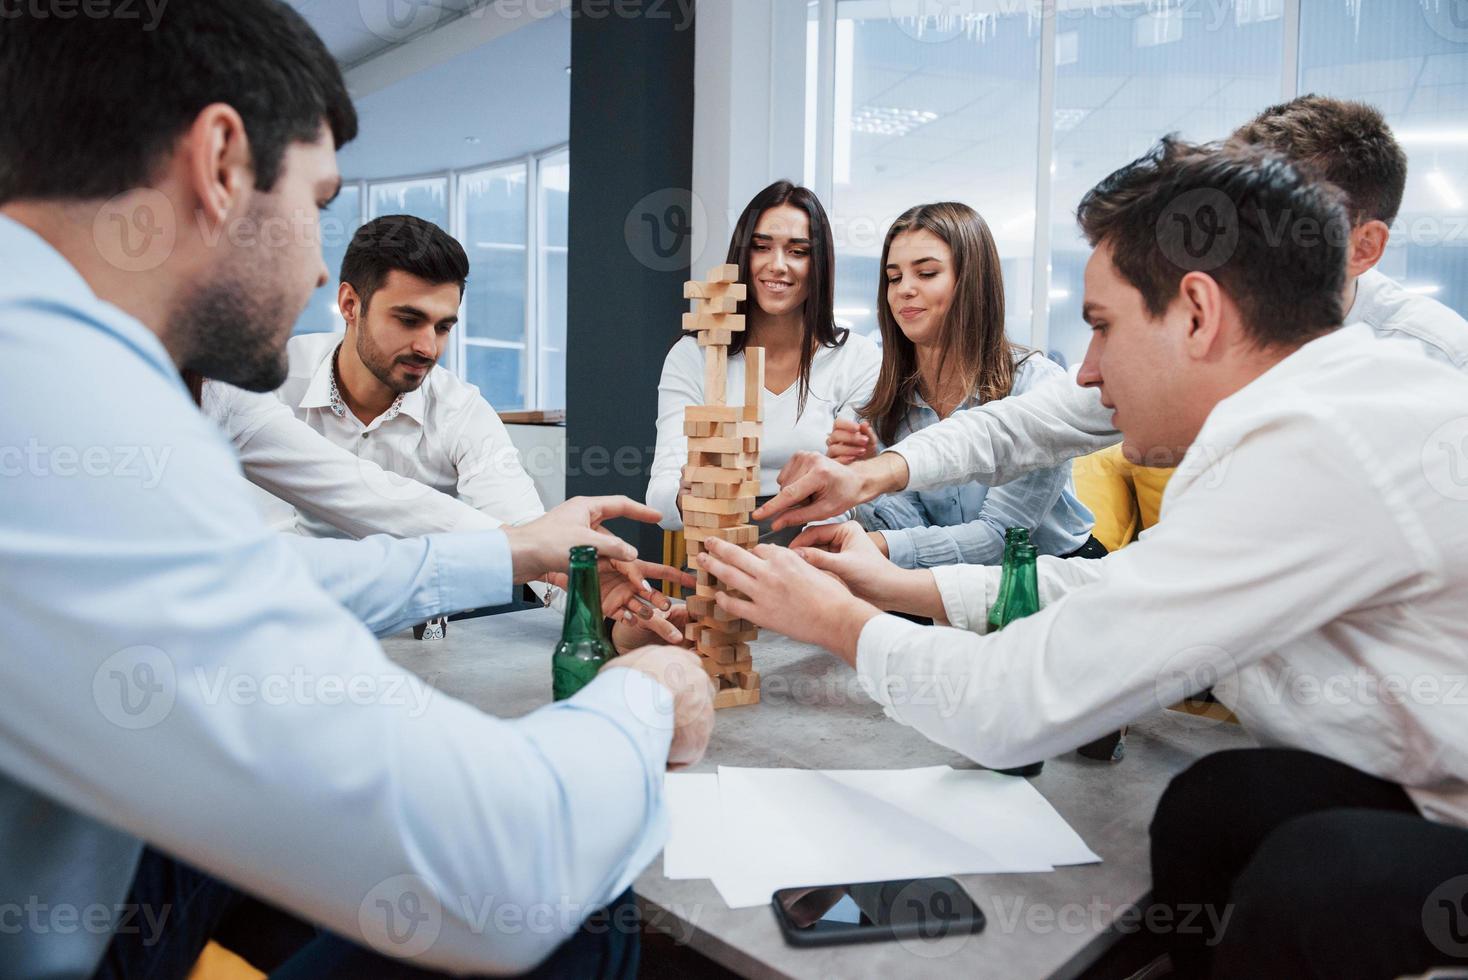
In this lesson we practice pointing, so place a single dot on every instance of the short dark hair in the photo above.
(1273, 238)
(1346, 143)
(92, 103)
(401, 241)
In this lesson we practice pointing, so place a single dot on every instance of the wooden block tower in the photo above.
(723, 468)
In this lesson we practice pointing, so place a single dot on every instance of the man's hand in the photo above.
(850, 441)
(850, 553)
(818, 487)
(544, 545)
(629, 633)
(693, 697)
(788, 595)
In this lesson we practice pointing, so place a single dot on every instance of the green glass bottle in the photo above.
(1022, 600)
(1013, 536)
(584, 646)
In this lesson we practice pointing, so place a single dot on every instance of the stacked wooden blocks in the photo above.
(723, 470)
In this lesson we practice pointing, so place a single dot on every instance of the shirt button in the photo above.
(366, 434)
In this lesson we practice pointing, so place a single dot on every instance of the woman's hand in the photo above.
(631, 633)
(850, 441)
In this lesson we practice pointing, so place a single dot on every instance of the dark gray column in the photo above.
(631, 173)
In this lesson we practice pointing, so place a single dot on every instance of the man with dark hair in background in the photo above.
(373, 392)
(1326, 852)
(1347, 143)
(160, 192)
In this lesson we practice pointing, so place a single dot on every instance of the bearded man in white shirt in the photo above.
(1214, 296)
(412, 450)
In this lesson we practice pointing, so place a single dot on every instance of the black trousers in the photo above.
(1282, 863)
(185, 908)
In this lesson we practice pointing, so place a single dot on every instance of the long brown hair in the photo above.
(972, 335)
(819, 311)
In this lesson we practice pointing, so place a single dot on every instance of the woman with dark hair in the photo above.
(814, 373)
(941, 310)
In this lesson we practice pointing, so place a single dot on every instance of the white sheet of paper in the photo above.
(800, 827)
(693, 814)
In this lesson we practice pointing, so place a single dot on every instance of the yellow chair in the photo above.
(218, 963)
(1124, 497)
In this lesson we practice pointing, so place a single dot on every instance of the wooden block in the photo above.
(714, 338)
(715, 373)
(737, 505)
(723, 273)
(713, 474)
(714, 444)
(731, 461)
(698, 430)
(748, 679)
(724, 653)
(726, 491)
(698, 519)
(708, 591)
(700, 607)
(725, 636)
(712, 413)
(735, 697)
(713, 321)
(751, 445)
(737, 534)
(710, 290)
(716, 304)
(754, 384)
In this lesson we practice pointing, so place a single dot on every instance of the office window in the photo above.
(554, 186)
(338, 223)
(493, 217)
(1412, 64)
(424, 197)
(1132, 74)
(931, 108)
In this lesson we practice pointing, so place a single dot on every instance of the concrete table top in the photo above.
(812, 715)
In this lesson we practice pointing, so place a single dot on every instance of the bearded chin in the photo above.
(231, 333)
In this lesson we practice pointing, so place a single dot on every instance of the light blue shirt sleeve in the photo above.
(393, 583)
(158, 636)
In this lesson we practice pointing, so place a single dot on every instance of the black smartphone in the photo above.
(919, 908)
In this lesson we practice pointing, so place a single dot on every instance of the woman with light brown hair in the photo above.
(940, 306)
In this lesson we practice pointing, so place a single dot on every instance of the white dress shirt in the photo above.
(1311, 564)
(443, 436)
(841, 381)
(174, 672)
(1005, 439)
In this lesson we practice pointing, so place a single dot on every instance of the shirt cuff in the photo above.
(900, 549)
(474, 570)
(879, 637)
(924, 469)
(961, 608)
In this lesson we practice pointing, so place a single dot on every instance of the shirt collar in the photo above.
(324, 393)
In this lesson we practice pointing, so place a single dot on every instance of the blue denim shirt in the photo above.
(965, 524)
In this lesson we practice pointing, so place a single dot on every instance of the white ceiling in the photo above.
(510, 95)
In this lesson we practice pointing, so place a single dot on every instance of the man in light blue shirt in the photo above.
(174, 672)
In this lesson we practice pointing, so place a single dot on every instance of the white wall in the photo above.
(749, 110)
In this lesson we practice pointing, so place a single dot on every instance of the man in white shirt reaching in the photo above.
(1347, 143)
(373, 394)
(1214, 297)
